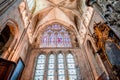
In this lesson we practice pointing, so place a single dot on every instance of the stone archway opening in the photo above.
(5, 36)
(8, 39)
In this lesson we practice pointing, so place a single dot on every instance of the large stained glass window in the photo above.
(55, 36)
(56, 67)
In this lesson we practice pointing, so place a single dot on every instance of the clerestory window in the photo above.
(55, 36)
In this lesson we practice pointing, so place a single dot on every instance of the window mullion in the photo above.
(66, 67)
(46, 68)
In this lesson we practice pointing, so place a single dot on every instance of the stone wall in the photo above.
(13, 15)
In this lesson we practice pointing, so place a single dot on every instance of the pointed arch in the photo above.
(10, 32)
(55, 35)
(40, 67)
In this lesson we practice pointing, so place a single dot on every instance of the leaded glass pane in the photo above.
(41, 61)
(51, 56)
(38, 78)
(41, 56)
(72, 77)
(69, 56)
(70, 60)
(60, 56)
(51, 66)
(71, 67)
(50, 78)
(61, 77)
(51, 60)
(50, 72)
(60, 60)
(71, 71)
(60, 66)
(61, 71)
(39, 72)
(40, 66)
(55, 36)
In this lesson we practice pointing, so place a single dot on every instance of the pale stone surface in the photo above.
(27, 28)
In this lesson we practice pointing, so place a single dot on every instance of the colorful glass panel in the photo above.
(55, 36)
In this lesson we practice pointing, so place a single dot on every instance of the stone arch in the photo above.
(68, 28)
(73, 54)
(92, 42)
(41, 27)
(51, 52)
(12, 28)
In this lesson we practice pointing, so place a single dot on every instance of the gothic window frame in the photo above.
(47, 66)
(74, 68)
(56, 69)
(42, 53)
(64, 66)
(58, 39)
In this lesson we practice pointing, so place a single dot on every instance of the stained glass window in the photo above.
(61, 68)
(51, 68)
(55, 36)
(71, 67)
(58, 67)
(40, 67)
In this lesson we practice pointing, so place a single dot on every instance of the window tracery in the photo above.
(63, 66)
(55, 36)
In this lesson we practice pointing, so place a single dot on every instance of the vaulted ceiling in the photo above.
(48, 10)
(61, 11)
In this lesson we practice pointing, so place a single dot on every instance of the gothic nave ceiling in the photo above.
(46, 11)
(63, 10)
